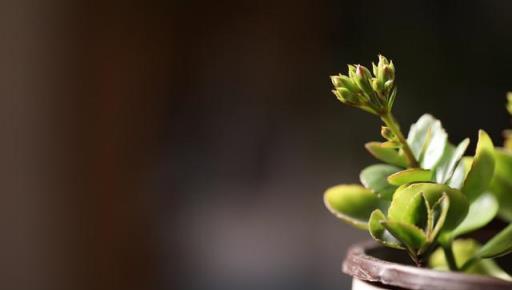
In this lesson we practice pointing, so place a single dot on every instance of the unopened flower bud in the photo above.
(387, 133)
(362, 79)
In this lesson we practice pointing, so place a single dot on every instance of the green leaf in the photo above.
(351, 203)
(435, 147)
(457, 179)
(410, 175)
(482, 168)
(374, 177)
(463, 251)
(405, 205)
(379, 233)
(444, 170)
(388, 155)
(499, 245)
(418, 134)
(409, 235)
(501, 185)
(442, 207)
(481, 212)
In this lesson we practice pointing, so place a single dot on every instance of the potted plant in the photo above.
(421, 202)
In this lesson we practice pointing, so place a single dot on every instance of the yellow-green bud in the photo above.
(362, 79)
(387, 133)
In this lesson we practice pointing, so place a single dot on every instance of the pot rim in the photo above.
(359, 264)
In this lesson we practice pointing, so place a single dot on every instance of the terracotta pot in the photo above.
(374, 267)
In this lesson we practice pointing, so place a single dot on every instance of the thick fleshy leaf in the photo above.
(374, 177)
(499, 245)
(351, 203)
(418, 134)
(457, 179)
(481, 212)
(409, 235)
(501, 185)
(482, 168)
(410, 175)
(442, 207)
(405, 202)
(463, 250)
(445, 168)
(388, 155)
(435, 146)
(379, 233)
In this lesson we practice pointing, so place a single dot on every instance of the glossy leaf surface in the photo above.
(351, 203)
(499, 245)
(481, 212)
(374, 177)
(448, 163)
(385, 154)
(410, 175)
(379, 232)
(482, 168)
(409, 235)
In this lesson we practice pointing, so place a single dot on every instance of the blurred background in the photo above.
(187, 144)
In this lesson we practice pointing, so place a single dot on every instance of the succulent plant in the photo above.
(425, 193)
(501, 184)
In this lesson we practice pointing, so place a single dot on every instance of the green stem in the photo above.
(450, 258)
(469, 263)
(392, 124)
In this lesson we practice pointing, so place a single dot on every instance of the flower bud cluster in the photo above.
(372, 93)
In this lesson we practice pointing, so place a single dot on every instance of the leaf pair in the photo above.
(418, 214)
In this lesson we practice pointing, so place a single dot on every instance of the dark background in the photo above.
(187, 144)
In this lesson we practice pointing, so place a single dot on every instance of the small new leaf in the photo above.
(409, 176)
(379, 233)
(409, 235)
(388, 155)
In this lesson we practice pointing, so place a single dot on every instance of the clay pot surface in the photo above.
(372, 265)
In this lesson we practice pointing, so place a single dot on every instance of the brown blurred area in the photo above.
(186, 144)
(82, 92)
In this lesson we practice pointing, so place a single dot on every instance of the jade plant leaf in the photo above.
(448, 163)
(410, 175)
(434, 146)
(418, 134)
(481, 212)
(459, 174)
(499, 245)
(379, 232)
(441, 207)
(374, 177)
(482, 168)
(463, 250)
(409, 235)
(405, 203)
(501, 185)
(388, 155)
(351, 203)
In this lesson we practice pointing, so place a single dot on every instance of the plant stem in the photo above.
(392, 124)
(450, 258)
(469, 263)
